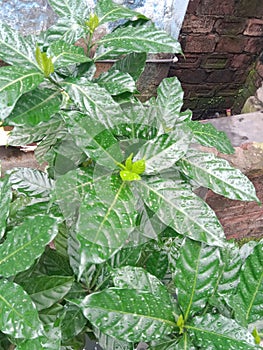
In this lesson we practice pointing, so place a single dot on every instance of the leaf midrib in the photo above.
(178, 209)
(20, 79)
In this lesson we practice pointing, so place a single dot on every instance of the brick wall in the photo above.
(222, 41)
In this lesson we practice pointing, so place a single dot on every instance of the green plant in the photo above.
(111, 240)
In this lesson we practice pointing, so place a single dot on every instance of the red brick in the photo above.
(198, 24)
(200, 43)
(215, 61)
(249, 8)
(216, 7)
(231, 44)
(254, 45)
(240, 76)
(191, 75)
(254, 27)
(230, 25)
(189, 61)
(193, 6)
(221, 76)
(241, 60)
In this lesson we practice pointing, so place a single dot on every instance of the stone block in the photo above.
(231, 44)
(240, 76)
(254, 45)
(212, 7)
(215, 61)
(230, 25)
(198, 24)
(259, 69)
(221, 76)
(200, 43)
(254, 27)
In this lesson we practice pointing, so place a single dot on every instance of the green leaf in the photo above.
(169, 102)
(248, 301)
(128, 314)
(216, 173)
(19, 317)
(23, 135)
(155, 261)
(177, 206)
(14, 82)
(70, 8)
(165, 150)
(44, 62)
(34, 107)
(229, 272)
(116, 82)
(64, 54)
(25, 243)
(66, 29)
(133, 64)
(16, 49)
(129, 176)
(50, 315)
(31, 181)
(94, 101)
(144, 39)
(129, 277)
(184, 343)
(219, 332)
(73, 322)
(108, 11)
(207, 135)
(45, 291)
(95, 139)
(53, 263)
(195, 276)
(5, 200)
(51, 340)
(107, 342)
(106, 217)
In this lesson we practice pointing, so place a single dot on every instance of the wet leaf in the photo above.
(207, 135)
(116, 82)
(23, 245)
(195, 276)
(19, 317)
(218, 175)
(248, 301)
(129, 315)
(177, 206)
(220, 333)
(14, 82)
(5, 200)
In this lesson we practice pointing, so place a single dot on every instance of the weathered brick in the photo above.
(204, 90)
(259, 69)
(230, 25)
(254, 45)
(188, 61)
(215, 61)
(231, 44)
(254, 27)
(220, 76)
(240, 76)
(191, 75)
(193, 6)
(251, 8)
(212, 7)
(200, 43)
(198, 24)
(241, 60)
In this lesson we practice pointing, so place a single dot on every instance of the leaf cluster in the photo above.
(111, 241)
